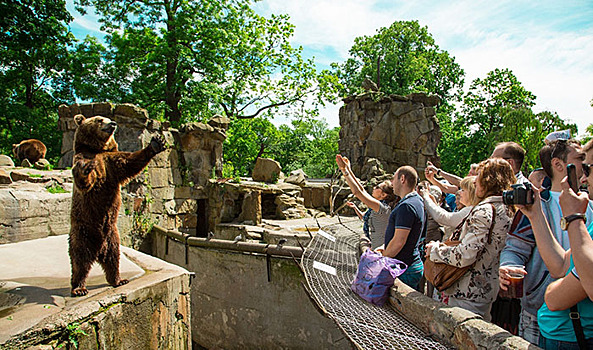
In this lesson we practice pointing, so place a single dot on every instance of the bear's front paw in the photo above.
(157, 143)
(79, 292)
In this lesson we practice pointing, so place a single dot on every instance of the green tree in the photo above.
(306, 144)
(496, 109)
(246, 140)
(589, 134)
(34, 55)
(403, 58)
(186, 60)
(309, 145)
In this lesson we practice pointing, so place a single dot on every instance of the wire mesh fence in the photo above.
(329, 264)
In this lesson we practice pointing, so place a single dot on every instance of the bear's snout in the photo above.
(110, 127)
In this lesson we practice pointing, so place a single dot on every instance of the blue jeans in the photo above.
(528, 328)
(550, 344)
(412, 275)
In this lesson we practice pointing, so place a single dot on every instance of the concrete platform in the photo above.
(35, 291)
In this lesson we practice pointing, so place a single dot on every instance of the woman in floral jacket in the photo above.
(482, 238)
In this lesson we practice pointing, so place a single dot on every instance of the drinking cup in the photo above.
(515, 289)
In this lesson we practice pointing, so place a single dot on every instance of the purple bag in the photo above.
(375, 275)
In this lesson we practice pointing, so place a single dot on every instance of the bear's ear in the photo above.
(78, 119)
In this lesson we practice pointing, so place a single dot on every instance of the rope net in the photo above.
(329, 265)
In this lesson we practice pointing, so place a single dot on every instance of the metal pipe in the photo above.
(271, 249)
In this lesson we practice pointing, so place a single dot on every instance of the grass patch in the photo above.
(56, 189)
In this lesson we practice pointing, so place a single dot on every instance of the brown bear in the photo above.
(98, 171)
(32, 149)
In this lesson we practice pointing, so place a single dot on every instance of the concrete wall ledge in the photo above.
(453, 326)
(152, 311)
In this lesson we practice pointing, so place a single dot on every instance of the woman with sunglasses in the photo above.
(380, 202)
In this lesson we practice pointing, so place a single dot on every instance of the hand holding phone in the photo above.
(571, 172)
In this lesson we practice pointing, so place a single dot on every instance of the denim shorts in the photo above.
(550, 344)
(412, 275)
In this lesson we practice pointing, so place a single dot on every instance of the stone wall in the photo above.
(29, 209)
(396, 130)
(243, 300)
(454, 326)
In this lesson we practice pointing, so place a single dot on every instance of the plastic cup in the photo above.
(515, 289)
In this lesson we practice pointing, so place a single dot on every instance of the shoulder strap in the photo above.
(578, 327)
(492, 225)
(457, 232)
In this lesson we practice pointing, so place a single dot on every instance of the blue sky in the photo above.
(547, 44)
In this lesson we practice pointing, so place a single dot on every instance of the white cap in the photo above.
(557, 135)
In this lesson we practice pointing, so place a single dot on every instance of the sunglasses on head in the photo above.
(562, 143)
(586, 169)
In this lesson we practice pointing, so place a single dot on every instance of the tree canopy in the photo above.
(306, 144)
(402, 58)
(187, 60)
(34, 56)
(496, 109)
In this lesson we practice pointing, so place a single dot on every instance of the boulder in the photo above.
(42, 164)
(372, 168)
(26, 163)
(288, 207)
(298, 178)
(266, 170)
(6, 161)
(19, 176)
(4, 177)
(299, 172)
(251, 208)
(219, 121)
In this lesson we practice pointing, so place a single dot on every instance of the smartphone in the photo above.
(571, 172)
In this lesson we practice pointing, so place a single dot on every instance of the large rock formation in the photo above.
(396, 130)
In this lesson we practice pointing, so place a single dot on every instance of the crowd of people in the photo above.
(497, 224)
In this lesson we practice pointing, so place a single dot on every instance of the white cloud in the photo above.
(541, 42)
(89, 23)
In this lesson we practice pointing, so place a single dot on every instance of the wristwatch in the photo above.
(570, 218)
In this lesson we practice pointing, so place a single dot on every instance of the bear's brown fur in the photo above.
(98, 170)
(32, 149)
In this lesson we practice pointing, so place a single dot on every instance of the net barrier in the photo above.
(329, 263)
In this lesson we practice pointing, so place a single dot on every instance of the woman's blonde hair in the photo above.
(495, 175)
(469, 186)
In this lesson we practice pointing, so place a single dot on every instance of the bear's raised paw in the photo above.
(157, 143)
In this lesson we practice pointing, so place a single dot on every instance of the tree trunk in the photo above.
(172, 94)
(29, 85)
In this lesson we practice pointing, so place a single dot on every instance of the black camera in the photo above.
(520, 194)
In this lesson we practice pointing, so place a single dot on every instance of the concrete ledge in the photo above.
(150, 312)
(453, 326)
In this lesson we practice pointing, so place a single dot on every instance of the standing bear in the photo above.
(98, 170)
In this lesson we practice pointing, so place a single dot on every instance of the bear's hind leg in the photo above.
(80, 271)
(109, 261)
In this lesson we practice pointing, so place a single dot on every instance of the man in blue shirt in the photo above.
(406, 226)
